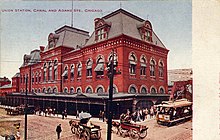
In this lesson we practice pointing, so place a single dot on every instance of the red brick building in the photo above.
(4, 81)
(75, 62)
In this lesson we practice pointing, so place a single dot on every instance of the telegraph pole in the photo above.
(111, 77)
(25, 111)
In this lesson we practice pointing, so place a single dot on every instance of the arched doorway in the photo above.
(142, 104)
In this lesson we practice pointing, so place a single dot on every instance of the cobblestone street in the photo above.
(43, 128)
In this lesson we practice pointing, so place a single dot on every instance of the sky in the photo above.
(24, 26)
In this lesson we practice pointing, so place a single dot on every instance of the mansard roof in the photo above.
(32, 58)
(123, 22)
(67, 36)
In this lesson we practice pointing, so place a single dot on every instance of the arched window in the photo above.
(55, 71)
(79, 69)
(161, 90)
(65, 73)
(44, 90)
(100, 90)
(39, 90)
(143, 65)
(132, 89)
(72, 72)
(49, 90)
(78, 90)
(45, 72)
(153, 90)
(54, 90)
(133, 63)
(89, 67)
(143, 90)
(152, 67)
(36, 77)
(49, 71)
(161, 69)
(71, 90)
(32, 78)
(65, 90)
(88, 89)
(99, 69)
(39, 77)
(32, 90)
(115, 59)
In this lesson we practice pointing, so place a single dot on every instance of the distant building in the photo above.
(73, 66)
(4, 81)
(9, 88)
(180, 84)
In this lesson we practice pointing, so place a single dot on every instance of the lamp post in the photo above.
(111, 77)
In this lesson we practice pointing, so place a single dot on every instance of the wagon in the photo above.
(84, 129)
(135, 131)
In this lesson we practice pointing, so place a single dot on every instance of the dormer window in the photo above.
(147, 36)
(101, 29)
(52, 40)
(100, 34)
(145, 30)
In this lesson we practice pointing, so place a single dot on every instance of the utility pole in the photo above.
(111, 77)
(25, 111)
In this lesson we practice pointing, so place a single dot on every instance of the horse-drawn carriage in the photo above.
(126, 128)
(84, 129)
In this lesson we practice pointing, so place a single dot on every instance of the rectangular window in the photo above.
(132, 69)
(143, 70)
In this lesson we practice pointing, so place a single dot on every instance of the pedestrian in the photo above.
(63, 114)
(77, 114)
(58, 130)
(100, 115)
(103, 116)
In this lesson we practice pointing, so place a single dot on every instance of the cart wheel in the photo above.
(143, 134)
(134, 134)
(85, 136)
(98, 135)
(73, 130)
(77, 131)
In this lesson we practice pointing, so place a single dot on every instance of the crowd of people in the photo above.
(141, 114)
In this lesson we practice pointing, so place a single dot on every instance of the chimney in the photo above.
(42, 48)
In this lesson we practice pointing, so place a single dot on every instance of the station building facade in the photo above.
(76, 63)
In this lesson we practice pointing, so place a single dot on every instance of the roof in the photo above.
(69, 37)
(175, 104)
(6, 86)
(16, 75)
(123, 22)
(93, 95)
(179, 75)
(31, 59)
(4, 79)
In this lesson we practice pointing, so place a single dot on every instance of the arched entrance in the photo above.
(142, 104)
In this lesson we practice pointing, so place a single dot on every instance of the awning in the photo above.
(65, 73)
(132, 62)
(80, 68)
(89, 67)
(99, 67)
(143, 65)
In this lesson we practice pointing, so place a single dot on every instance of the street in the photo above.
(43, 128)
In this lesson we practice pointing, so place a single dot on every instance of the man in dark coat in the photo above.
(58, 130)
